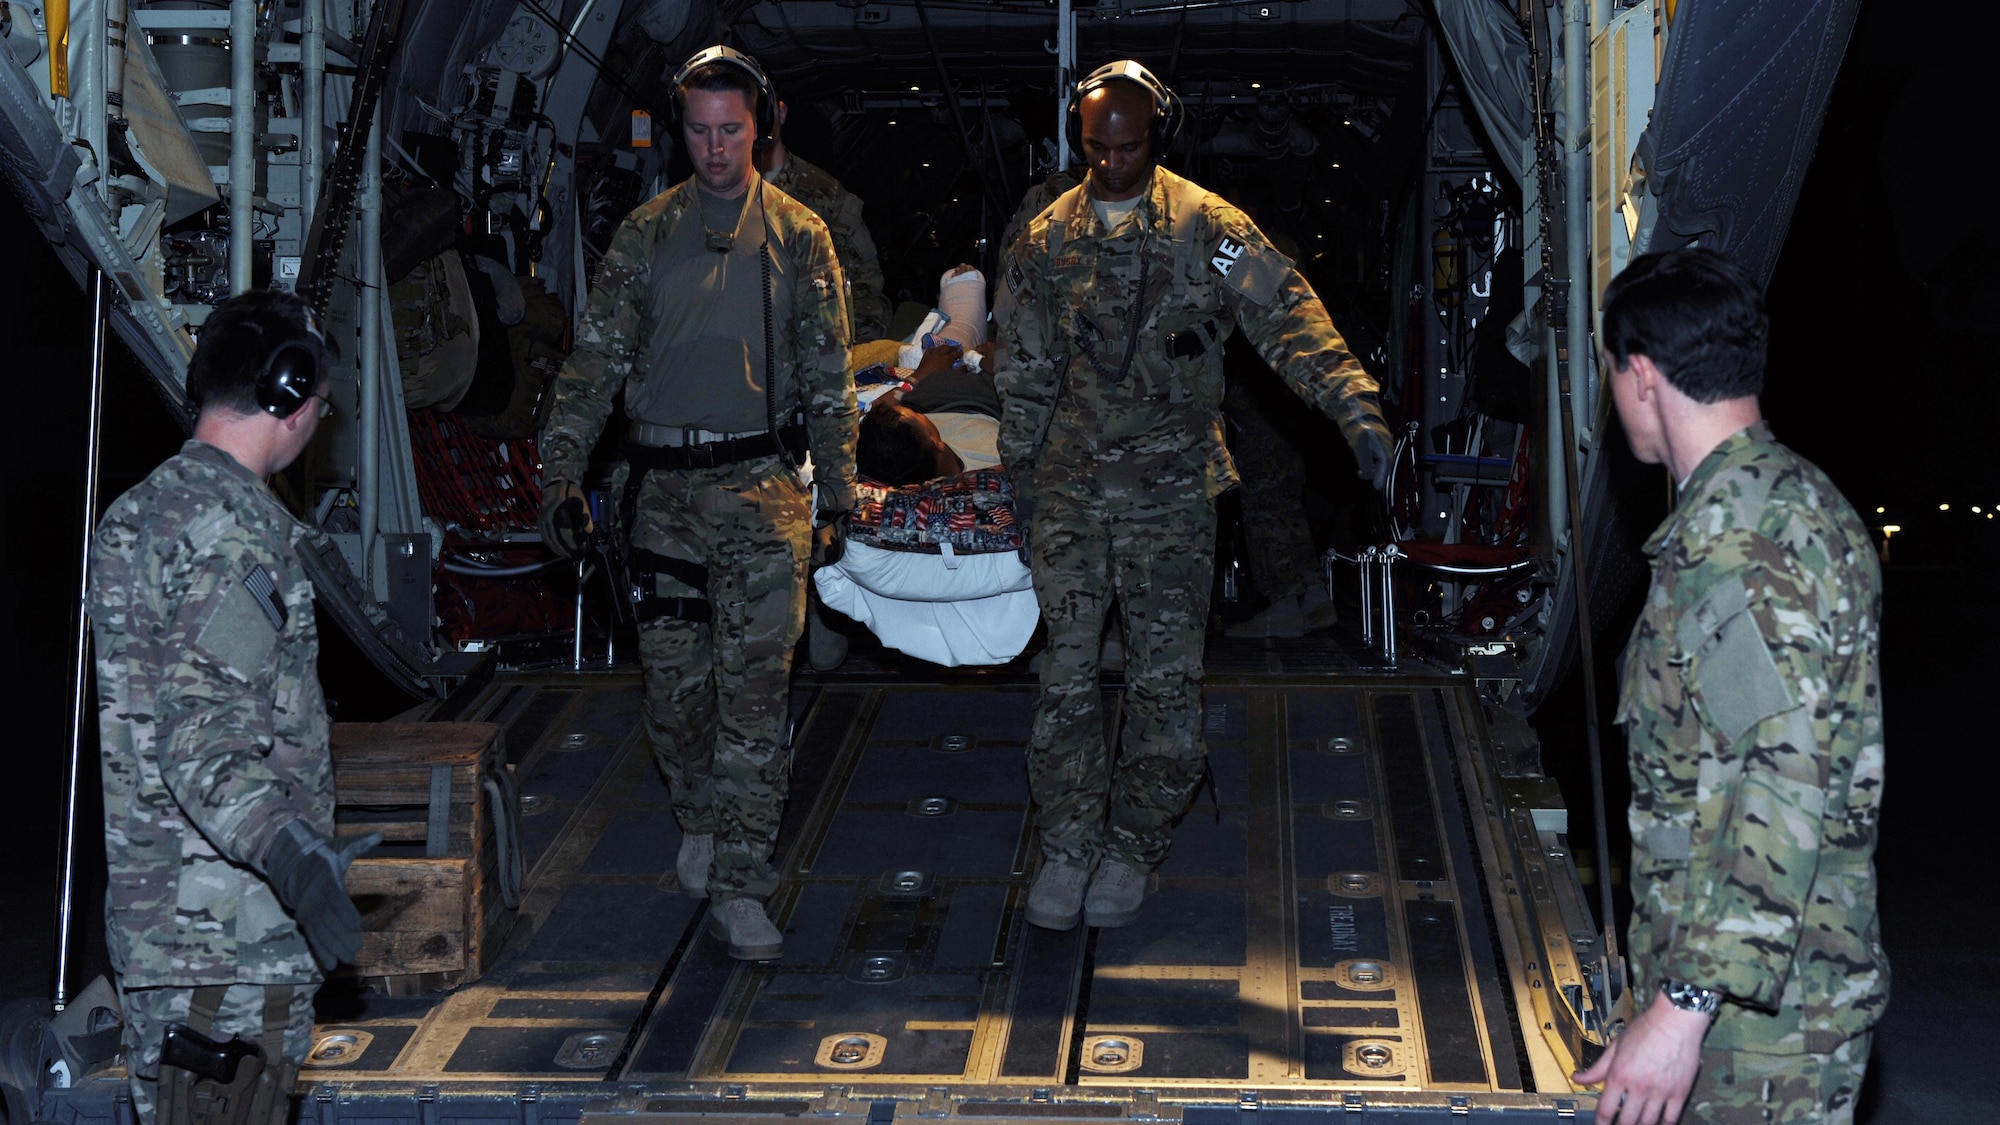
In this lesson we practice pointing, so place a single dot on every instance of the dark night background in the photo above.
(1885, 370)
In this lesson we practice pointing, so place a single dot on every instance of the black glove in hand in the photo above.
(565, 517)
(829, 537)
(309, 871)
(1374, 451)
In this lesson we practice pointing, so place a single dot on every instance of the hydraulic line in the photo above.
(1572, 355)
(80, 679)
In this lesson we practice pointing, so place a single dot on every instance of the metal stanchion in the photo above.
(1365, 564)
(576, 646)
(1389, 556)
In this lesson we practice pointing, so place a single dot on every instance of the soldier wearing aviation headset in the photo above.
(1119, 297)
(719, 309)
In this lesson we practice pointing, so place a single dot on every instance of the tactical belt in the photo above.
(673, 455)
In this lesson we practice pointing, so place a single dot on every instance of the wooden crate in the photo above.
(431, 911)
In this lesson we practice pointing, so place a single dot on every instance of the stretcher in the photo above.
(934, 570)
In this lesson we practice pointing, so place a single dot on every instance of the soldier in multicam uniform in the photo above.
(1752, 702)
(226, 900)
(719, 311)
(1111, 366)
(840, 210)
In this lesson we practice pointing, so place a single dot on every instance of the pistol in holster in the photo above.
(203, 1082)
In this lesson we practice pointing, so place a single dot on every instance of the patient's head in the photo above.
(899, 446)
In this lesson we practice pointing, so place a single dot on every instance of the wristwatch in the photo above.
(1691, 998)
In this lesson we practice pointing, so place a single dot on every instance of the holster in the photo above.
(205, 1082)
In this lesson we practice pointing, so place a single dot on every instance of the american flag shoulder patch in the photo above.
(265, 590)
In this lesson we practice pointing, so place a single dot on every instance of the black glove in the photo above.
(829, 537)
(1374, 451)
(1023, 505)
(308, 871)
(565, 517)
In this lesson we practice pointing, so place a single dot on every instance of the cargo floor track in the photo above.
(1322, 939)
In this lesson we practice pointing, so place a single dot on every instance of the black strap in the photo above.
(652, 607)
(647, 602)
(277, 1017)
(681, 570)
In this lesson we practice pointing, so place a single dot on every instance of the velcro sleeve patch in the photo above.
(241, 633)
(1253, 271)
(1669, 842)
(1738, 682)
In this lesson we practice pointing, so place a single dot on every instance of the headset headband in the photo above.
(767, 102)
(1166, 104)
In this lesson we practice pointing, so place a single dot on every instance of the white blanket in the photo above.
(949, 610)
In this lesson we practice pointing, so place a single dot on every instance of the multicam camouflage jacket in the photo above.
(1076, 306)
(211, 725)
(611, 343)
(1751, 697)
(841, 211)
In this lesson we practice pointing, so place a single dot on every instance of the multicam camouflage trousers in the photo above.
(717, 691)
(1158, 562)
(1749, 1086)
(148, 1011)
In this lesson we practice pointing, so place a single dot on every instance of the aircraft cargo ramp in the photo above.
(1324, 938)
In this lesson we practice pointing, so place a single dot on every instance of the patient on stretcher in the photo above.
(946, 423)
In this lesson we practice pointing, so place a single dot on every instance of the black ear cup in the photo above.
(767, 97)
(289, 376)
(1166, 105)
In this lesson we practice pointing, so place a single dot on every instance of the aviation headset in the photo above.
(767, 97)
(291, 370)
(1166, 104)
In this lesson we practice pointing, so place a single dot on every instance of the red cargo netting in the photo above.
(474, 485)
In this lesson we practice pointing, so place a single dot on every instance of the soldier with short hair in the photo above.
(1752, 705)
(840, 209)
(1121, 293)
(719, 311)
(226, 901)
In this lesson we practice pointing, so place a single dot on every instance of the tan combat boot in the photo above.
(1055, 902)
(691, 865)
(1117, 893)
(743, 924)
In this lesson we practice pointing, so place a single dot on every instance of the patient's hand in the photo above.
(937, 360)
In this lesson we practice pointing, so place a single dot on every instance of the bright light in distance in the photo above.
(1890, 529)
(1256, 85)
(914, 89)
(1336, 164)
(1879, 511)
(1944, 507)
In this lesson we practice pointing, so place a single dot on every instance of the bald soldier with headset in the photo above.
(1119, 297)
(719, 311)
